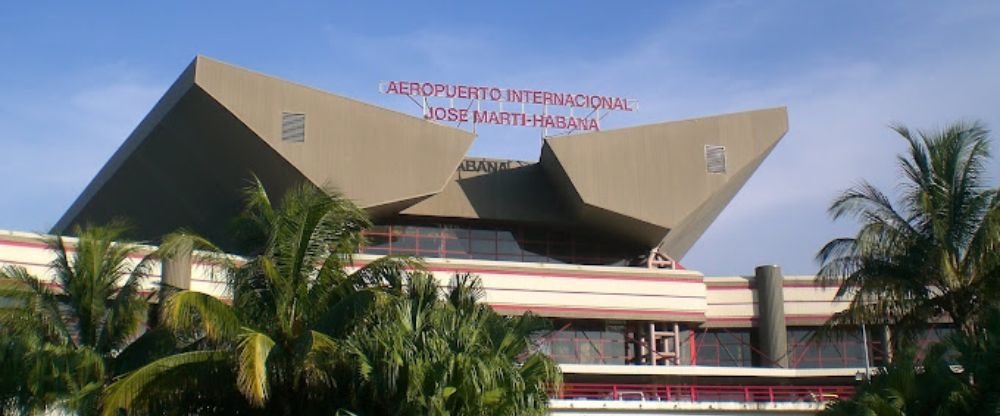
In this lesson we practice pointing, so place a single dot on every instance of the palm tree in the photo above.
(932, 255)
(276, 348)
(15, 389)
(60, 341)
(958, 376)
(428, 354)
(908, 386)
(979, 358)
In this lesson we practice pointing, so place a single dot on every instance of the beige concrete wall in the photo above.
(732, 303)
(31, 252)
(655, 175)
(373, 155)
(554, 290)
(582, 291)
(185, 165)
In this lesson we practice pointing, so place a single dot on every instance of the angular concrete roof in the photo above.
(187, 161)
(653, 181)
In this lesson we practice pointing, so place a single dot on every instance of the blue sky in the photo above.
(78, 77)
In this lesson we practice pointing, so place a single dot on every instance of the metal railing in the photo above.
(702, 393)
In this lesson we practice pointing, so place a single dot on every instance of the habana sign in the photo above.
(489, 165)
(588, 104)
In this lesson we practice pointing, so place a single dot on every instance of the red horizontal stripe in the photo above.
(790, 285)
(23, 244)
(679, 279)
(586, 309)
(72, 249)
(521, 272)
(25, 263)
(826, 301)
(754, 318)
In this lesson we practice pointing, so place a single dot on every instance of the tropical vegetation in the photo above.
(424, 355)
(304, 330)
(62, 341)
(960, 376)
(933, 254)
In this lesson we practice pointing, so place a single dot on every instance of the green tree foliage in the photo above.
(60, 341)
(932, 254)
(425, 354)
(274, 348)
(960, 376)
(294, 336)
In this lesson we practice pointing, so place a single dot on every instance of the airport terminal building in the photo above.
(587, 235)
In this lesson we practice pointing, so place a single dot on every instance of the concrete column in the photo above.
(176, 270)
(771, 328)
(651, 341)
(677, 344)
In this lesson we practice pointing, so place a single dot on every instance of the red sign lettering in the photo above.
(593, 103)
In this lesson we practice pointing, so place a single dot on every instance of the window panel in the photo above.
(518, 243)
(508, 247)
(429, 245)
(483, 234)
(456, 246)
(405, 243)
(378, 241)
(484, 246)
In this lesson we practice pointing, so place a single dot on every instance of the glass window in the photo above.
(484, 246)
(483, 234)
(429, 245)
(520, 242)
(726, 348)
(375, 240)
(456, 246)
(429, 231)
(534, 259)
(505, 236)
(806, 350)
(508, 257)
(457, 232)
(404, 243)
(585, 342)
(508, 247)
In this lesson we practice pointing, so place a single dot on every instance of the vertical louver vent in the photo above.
(293, 127)
(715, 159)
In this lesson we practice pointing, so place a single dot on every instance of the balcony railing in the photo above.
(702, 393)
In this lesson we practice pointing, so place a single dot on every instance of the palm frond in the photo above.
(35, 308)
(252, 352)
(390, 272)
(140, 388)
(930, 254)
(195, 311)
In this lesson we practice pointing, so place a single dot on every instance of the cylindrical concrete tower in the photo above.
(772, 331)
(176, 270)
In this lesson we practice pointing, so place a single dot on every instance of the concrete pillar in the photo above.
(677, 344)
(771, 328)
(176, 270)
(651, 341)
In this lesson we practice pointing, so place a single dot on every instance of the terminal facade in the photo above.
(587, 236)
